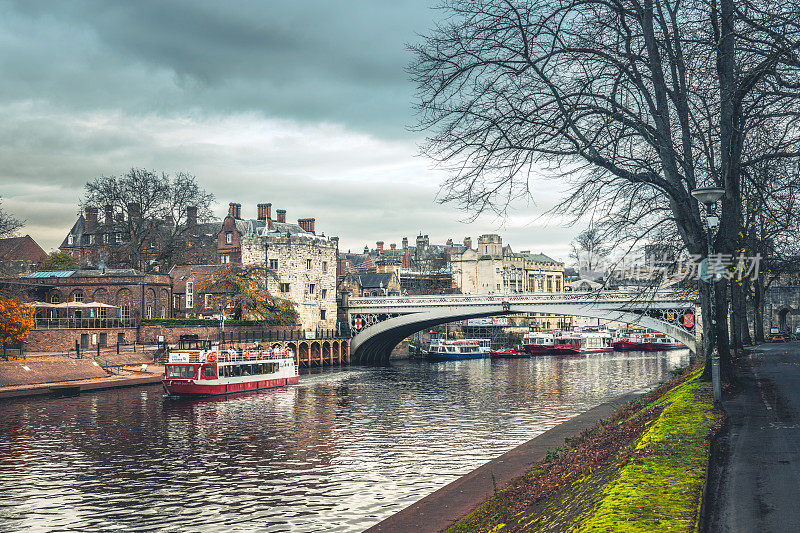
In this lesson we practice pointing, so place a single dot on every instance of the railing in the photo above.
(195, 356)
(84, 323)
(282, 335)
(518, 298)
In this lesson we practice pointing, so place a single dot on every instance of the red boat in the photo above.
(592, 342)
(538, 343)
(507, 352)
(658, 341)
(203, 372)
(628, 342)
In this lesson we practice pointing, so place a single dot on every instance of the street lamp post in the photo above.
(709, 196)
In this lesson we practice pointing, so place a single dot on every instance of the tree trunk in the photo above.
(721, 337)
(703, 347)
(758, 309)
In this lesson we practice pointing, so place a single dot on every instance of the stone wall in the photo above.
(782, 307)
(302, 261)
(63, 340)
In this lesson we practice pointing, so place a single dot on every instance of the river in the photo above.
(340, 451)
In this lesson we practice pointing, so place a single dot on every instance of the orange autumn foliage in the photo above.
(16, 321)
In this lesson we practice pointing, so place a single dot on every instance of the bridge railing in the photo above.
(519, 298)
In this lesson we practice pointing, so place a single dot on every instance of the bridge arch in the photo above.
(373, 344)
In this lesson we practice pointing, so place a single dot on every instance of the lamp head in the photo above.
(708, 195)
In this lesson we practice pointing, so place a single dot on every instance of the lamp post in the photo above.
(709, 196)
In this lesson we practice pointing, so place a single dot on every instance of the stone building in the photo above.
(20, 255)
(301, 268)
(371, 284)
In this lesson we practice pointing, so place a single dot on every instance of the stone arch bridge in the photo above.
(381, 323)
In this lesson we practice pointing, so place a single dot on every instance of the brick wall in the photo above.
(63, 340)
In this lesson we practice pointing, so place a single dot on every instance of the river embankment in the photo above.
(633, 464)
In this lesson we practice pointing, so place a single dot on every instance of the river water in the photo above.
(339, 452)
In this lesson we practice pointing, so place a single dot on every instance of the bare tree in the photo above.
(154, 224)
(589, 250)
(8, 224)
(631, 103)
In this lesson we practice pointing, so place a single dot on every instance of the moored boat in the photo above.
(449, 350)
(578, 343)
(194, 372)
(659, 341)
(630, 341)
(507, 352)
(538, 342)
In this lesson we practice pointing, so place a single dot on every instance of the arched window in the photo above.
(77, 296)
(55, 298)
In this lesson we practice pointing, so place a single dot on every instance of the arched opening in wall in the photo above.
(303, 352)
(344, 351)
(326, 352)
(336, 350)
(782, 322)
(292, 349)
(276, 346)
(101, 296)
(316, 352)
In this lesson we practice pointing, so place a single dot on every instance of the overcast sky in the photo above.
(301, 103)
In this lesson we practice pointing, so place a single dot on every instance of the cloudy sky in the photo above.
(301, 103)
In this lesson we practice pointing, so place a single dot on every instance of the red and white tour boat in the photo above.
(578, 343)
(538, 342)
(628, 341)
(203, 372)
(658, 341)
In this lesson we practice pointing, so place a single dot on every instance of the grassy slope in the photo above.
(654, 482)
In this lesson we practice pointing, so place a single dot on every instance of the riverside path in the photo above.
(754, 483)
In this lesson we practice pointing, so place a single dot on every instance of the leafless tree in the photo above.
(589, 250)
(154, 224)
(632, 104)
(8, 224)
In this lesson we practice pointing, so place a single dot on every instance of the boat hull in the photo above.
(537, 349)
(454, 357)
(659, 346)
(508, 354)
(624, 345)
(184, 387)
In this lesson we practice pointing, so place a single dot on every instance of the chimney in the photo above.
(91, 218)
(134, 211)
(191, 215)
(235, 210)
(307, 224)
(109, 211)
(449, 242)
(335, 240)
(379, 244)
(468, 242)
(281, 215)
(264, 211)
(405, 243)
(393, 246)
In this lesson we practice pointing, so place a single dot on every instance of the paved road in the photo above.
(754, 485)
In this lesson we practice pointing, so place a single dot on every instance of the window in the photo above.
(152, 243)
(91, 239)
(176, 301)
(229, 237)
(189, 294)
(163, 311)
(207, 301)
(149, 312)
(308, 264)
(284, 287)
(273, 264)
(324, 293)
(225, 259)
(124, 311)
(311, 288)
(70, 240)
(77, 296)
(208, 371)
(55, 298)
(324, 266)
(322, 314)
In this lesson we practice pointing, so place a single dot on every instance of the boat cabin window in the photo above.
(208, 371)
(180, 371)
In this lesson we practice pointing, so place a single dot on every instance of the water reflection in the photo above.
(341, 450)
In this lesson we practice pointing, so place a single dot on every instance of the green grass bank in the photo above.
(642, 470)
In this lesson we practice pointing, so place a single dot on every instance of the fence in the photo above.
(84, 323)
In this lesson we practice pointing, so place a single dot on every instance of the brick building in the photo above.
(20, 255)
(371, 284)
(91, 307)
(96, 241)
(190, 299)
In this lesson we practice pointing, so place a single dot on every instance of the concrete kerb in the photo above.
(443, 508)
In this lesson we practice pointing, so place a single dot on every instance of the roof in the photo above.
(538, 258)
(51, 274)
(374, 280)
(15, 249)
(182, 273)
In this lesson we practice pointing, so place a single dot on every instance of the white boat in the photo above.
(447, 350)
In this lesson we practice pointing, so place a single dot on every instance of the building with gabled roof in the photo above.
(20, 255)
